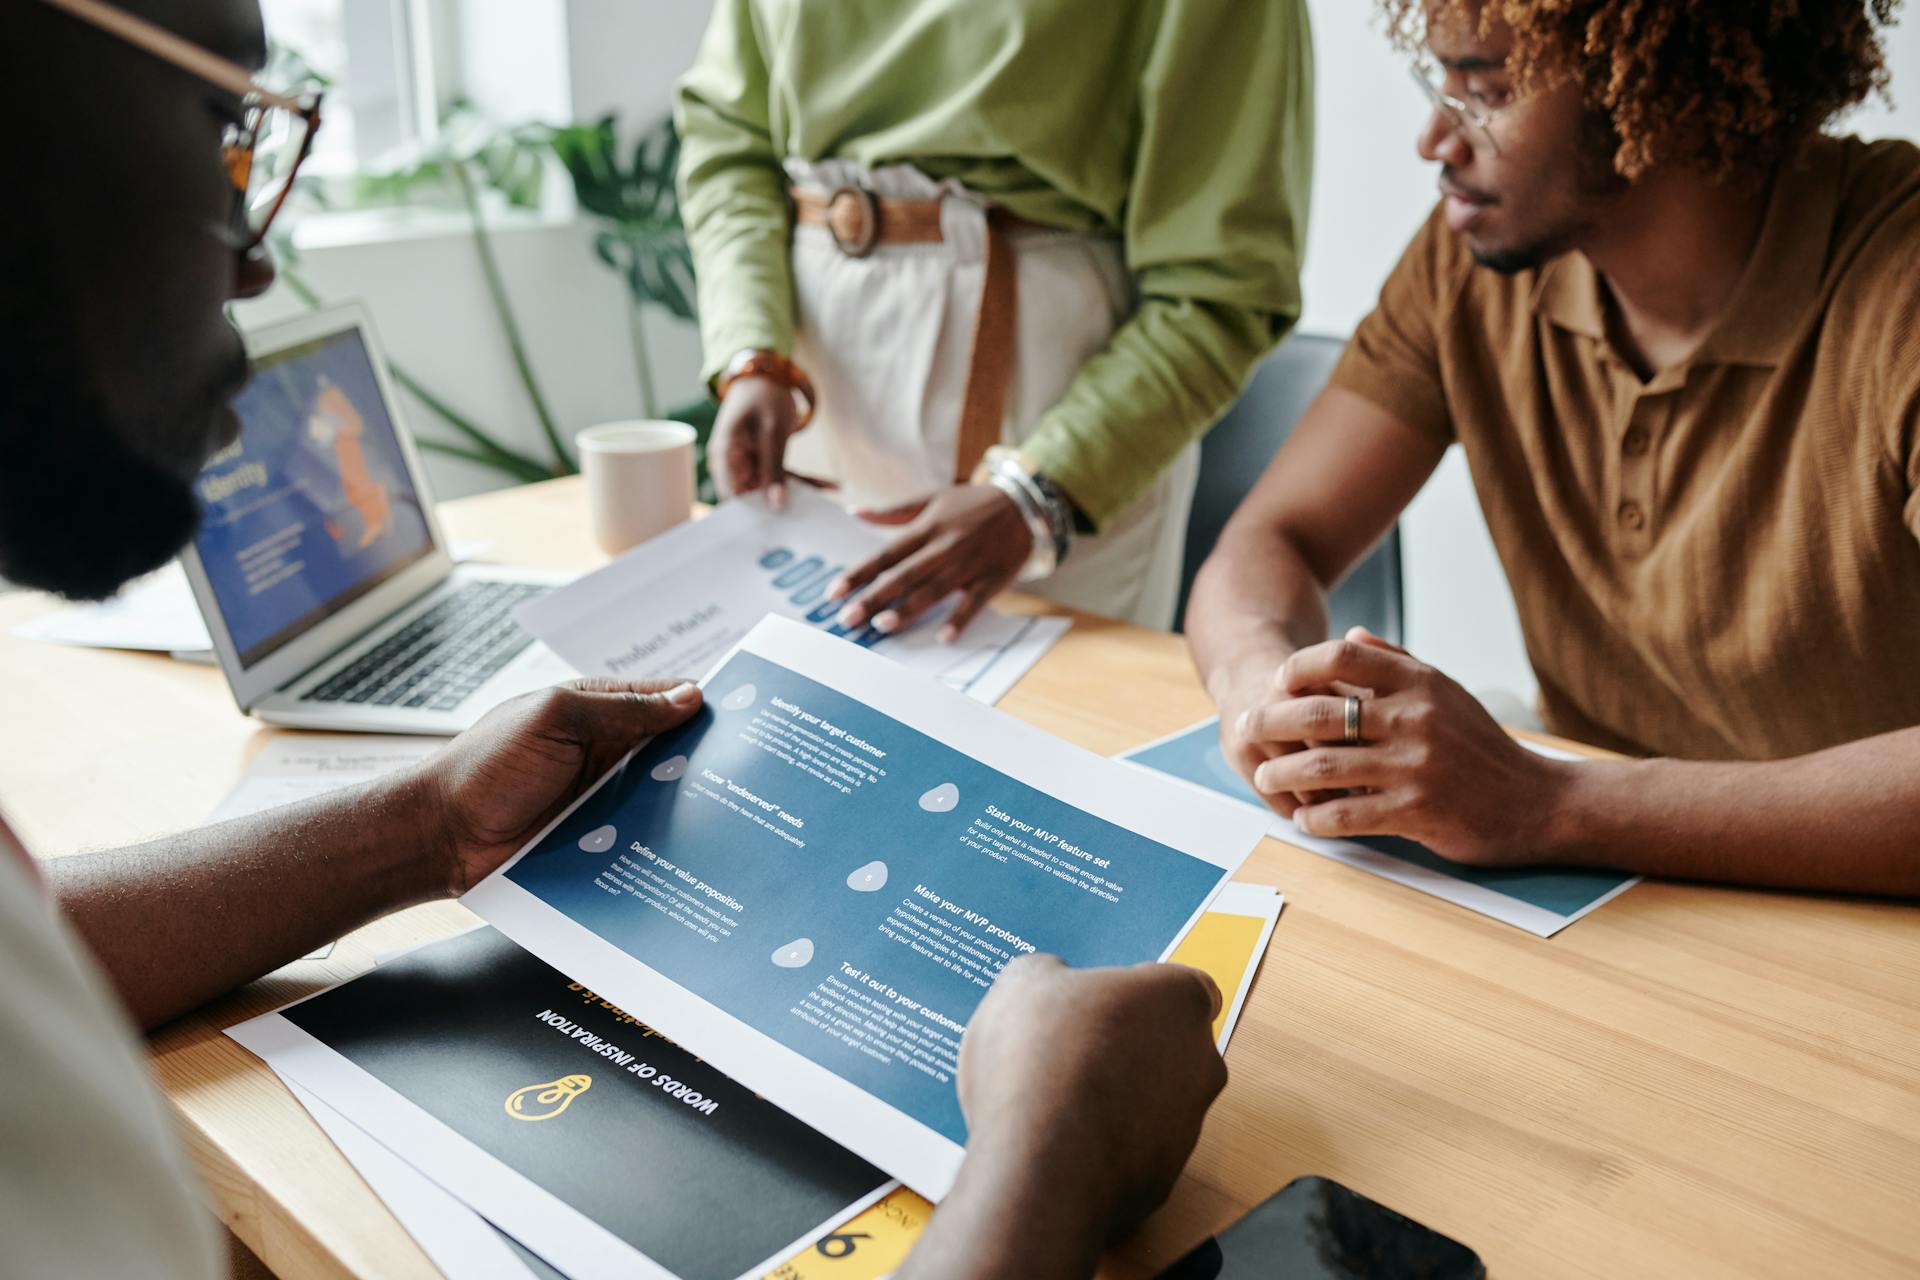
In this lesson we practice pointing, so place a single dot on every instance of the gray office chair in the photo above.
(1237, 450)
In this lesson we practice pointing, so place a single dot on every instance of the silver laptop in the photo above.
(319, 565)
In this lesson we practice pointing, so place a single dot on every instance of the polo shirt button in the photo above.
(1635, 442)
(1632, 517)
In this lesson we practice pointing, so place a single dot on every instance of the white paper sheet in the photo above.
(464, 1245)
(672, 606)
(1191, 757)
(156, 613)
(1190, 840)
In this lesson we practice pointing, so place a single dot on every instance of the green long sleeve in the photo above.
(1182, 126)
(733, 193)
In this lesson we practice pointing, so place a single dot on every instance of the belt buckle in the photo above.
(853, 220)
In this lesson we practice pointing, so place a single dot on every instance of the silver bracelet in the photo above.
(1018, 486)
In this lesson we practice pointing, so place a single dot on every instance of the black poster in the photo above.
(702, 1176)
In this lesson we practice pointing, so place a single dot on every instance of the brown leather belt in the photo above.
(858, 220)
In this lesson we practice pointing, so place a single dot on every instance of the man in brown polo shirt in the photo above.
(1676, 331)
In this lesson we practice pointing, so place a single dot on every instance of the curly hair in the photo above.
(1722, 86)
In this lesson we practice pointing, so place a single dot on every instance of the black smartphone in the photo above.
(1316, 1229)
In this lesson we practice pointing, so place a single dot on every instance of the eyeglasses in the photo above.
(1469, 118)
(263, 150)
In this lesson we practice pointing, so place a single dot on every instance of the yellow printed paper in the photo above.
(870, 1245)
(1219, 946)
(1227, 944)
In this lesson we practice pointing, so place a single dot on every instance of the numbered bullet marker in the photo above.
(871, 878)
(797, 954)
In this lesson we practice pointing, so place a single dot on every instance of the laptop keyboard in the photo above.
(436, 661)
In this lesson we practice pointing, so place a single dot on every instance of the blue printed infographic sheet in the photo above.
(813, 883)
(1541, 900)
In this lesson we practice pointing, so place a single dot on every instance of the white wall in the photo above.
(627, 54)
(1370, 193)
(429, 304)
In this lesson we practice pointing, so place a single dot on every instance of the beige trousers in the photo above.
(885, 339)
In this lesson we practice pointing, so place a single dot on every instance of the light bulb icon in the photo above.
(545, 1101)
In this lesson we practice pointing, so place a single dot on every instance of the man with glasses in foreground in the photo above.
(1674, 328)
(137, 210)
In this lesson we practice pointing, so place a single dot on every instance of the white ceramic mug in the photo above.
(639, 480)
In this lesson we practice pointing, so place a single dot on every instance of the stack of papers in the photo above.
(736, 973)
(602, 1147)
(815, 880)
(375, 1053)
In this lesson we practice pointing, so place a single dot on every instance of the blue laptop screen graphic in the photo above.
(312, 507)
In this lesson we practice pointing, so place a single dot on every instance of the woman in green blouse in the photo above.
(1012, 258)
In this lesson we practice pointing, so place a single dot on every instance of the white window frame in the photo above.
(410, 60)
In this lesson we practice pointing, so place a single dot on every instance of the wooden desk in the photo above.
(1690, 1082)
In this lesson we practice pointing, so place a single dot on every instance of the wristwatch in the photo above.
(1048, 512)
(760, 362)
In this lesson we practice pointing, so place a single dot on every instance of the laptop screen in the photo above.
(313, 506)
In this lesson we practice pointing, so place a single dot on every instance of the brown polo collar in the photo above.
(1779, 289)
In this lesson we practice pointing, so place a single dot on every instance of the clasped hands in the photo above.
(1431, 764)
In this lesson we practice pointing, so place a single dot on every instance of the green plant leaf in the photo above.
(656, 161)
(603, 248)
(502, 457)
(515, 168)
(528, 474)
(586, 151)
(677, 281)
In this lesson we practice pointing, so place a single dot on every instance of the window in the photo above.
(379, 57)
